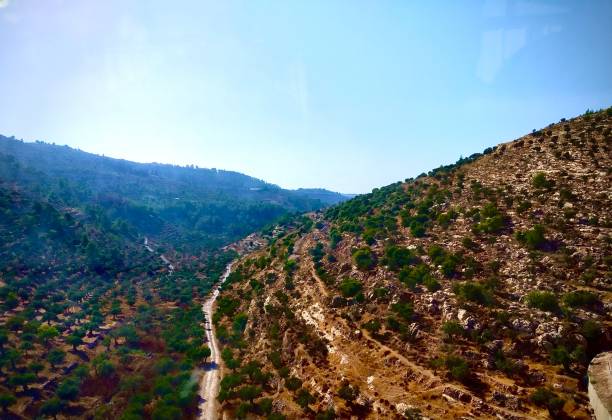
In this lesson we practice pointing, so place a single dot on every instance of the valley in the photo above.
(478, 290)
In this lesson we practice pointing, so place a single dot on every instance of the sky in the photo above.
(344, 95)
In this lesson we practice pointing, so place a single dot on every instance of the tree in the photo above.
(249, 393)
(229, 360)
(102, 366)
(363, 258)
(22, 379)
(106, 342)
(36, 367)
(304, 398)
(350, 287)
(6, 400)
(52, 407)
(26, 346)
(199, 353)
(457, 368)
(13, 356)
(115, 310)
(55, 357)
(4, 338)
(74, 340)
(68, 389)
(47, 333)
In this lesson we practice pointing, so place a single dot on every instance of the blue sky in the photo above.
(346, 95)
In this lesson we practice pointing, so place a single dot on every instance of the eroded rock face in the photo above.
(600, 385)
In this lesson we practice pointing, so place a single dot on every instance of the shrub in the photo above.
(580, 298)
(539, 181)
(474, 292)
(68, 389)
(372, 326)
(363, 258)
(491, 220)
(591, 330)
(411, 276)
(431, 284)
(533, 238)
(398, 257)
(304, 398)
(468, 243)
(458, 367)
(334, 238)
(6, 400)
(292, 383)
(350, 287)
(348, 392)
(544, 397)
(545, 301)
(452, 329)
(403, 309)
(417, 229)
(560, 356)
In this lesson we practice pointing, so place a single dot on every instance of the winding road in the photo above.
(209, 385)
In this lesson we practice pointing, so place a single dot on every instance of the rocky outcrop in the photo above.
(600, 385)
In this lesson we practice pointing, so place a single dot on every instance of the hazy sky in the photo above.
(346, 95)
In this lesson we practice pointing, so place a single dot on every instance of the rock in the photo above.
(522, 325)
(495, 346)
(456, 394)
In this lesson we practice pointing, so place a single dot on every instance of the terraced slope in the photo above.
(480, 289)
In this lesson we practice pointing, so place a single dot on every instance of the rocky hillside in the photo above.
(481, 289)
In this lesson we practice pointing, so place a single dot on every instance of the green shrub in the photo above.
(403, 309)
(432, 284)
(292, 383)
(544, 397)
(452, 329)
(533, 238)
(539, 181)
(474, 292)
(491, 220)
(411, 276)
(458, 367)
(350, 287)
(545, 301)
(560, 356)
(334, 238)
(363, 258)
(398, 257)
(372, 326)
(348, 392)
(580, 298)
(591, 330)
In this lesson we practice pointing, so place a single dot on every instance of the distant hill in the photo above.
(186, 207)
(478, 290)
(325, 196)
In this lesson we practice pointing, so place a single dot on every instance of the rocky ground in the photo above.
(478, 290)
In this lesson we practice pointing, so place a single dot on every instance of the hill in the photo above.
(188, 208)
(480, 289)
(104, 264)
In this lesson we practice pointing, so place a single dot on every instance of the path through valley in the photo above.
(209, 385)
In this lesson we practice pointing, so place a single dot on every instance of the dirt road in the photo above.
(209, 384)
